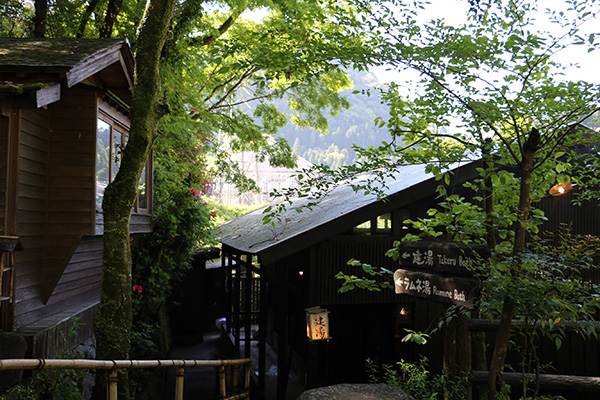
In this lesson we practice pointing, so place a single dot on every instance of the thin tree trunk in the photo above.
(112, 11)
(86, 17)
(39, 22)
(112, 324)
(509, 306)
(478, 338)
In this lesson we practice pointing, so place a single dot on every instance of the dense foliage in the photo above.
(489, 88)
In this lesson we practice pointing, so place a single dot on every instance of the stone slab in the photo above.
(349, 391)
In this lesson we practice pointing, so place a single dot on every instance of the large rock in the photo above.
(348, 391)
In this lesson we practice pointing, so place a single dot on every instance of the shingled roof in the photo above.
(35, 63)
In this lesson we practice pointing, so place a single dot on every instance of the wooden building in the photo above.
(63, 120)
(276, 272)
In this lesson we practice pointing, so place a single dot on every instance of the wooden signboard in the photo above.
(447, 258)
(436, 288)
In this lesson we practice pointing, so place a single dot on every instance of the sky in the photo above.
(455, 11)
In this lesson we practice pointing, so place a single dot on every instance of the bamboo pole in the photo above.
(236, 371)
(222, 382)
(179, 384)
(112, 385)
(115, 365)
(247, 372)
(39, 363)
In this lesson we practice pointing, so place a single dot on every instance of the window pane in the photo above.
(117, 149)
(142, 195)
(102, 160)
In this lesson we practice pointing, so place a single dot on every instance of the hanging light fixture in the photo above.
(317, 324)
(562, 188)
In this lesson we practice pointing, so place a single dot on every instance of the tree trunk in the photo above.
(86, 17)
(112, 324)
(479, 347)
(509, 306)
(113, 9)
(39, 22)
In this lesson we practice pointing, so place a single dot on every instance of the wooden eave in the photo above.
(109, 67)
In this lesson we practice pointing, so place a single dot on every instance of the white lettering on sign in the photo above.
(443, 260)
(442, 293)
(453, 290)
(459, 296)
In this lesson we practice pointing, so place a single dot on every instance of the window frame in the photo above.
(119, 122)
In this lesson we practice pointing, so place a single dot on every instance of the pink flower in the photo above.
(138, 288)
(194, 192)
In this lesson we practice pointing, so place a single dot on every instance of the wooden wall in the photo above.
(4, 122)
(55, 202)
(32, 214)
(71, 179)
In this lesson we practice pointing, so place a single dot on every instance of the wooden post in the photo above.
(222, 382)
(247, 372)
(236, 371)
(179, 384)
(112, 385)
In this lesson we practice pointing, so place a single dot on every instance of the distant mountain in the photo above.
(353, 126)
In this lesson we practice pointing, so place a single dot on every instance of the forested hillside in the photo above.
(353, 126)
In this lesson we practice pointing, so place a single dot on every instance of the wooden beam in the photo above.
(486, 325)
(47, 95)
(551, 381)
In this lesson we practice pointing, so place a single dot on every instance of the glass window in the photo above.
(111, 141)
(142, 195)
(103, 158)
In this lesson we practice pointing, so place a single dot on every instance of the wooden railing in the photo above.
(234, 381)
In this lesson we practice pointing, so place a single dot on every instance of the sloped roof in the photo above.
(337, 212)
(106, 63)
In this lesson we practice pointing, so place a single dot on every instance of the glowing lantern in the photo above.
(317, 323)
(563, 188)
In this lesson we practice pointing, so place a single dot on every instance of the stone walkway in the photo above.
(199, 383)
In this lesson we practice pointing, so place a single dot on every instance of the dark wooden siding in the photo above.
(331, 257)
(4, 122)
(55, 202)
(79, 284)
(82, 278)
(32, 212)
(71, 179)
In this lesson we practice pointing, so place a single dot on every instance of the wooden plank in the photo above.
(31, 229)
(10, 243)
(34, 141)
(66, 205)
(438, 257)
(47, 95)
(32, 192)
(66, 171)
(35, 167)
(68, 159)
(33, 154)
(66, 218)
(82, 195)
(35, 117)
(76, 146)
(34, 310)
(81, 182)
(91, 66)
(436, 287)
(550, 381)
(32, 178)
(27, 203)
(486, 325)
